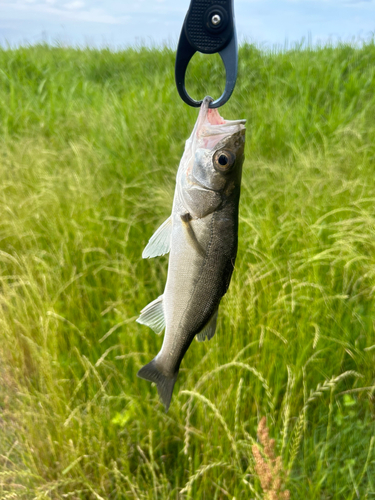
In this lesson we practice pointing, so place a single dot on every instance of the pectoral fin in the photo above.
(153, 315)
(190, 234)
(160, 241)
(209, 330)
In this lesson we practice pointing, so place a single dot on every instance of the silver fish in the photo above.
(201, 235)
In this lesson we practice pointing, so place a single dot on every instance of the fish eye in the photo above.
(223, 160)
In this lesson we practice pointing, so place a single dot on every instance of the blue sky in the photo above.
(117, 23)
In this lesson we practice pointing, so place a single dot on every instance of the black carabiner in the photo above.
(208, 28)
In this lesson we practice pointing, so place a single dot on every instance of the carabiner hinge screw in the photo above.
(216, 19)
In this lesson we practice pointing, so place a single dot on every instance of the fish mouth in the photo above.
(211, 127)
(213, 116)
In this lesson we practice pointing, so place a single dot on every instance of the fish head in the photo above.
(220, 165)
(213, 157)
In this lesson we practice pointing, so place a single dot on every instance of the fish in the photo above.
(201, 237)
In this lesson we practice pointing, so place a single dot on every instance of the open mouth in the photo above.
(210, 127)
(214, 118)
(211, 116)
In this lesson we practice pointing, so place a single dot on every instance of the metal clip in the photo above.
(208, 28)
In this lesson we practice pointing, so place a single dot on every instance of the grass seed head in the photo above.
(268, 468)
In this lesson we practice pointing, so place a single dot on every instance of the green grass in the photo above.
(89, 145)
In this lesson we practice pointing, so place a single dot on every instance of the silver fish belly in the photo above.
(201, 236)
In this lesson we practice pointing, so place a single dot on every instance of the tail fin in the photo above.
(164, 384)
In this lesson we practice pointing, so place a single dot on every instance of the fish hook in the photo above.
(208, 28)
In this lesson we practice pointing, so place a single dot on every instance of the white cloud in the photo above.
(74, 5)
(356, 2)
(126, 21)
(74, 11)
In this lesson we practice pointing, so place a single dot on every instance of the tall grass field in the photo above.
(281, 402)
